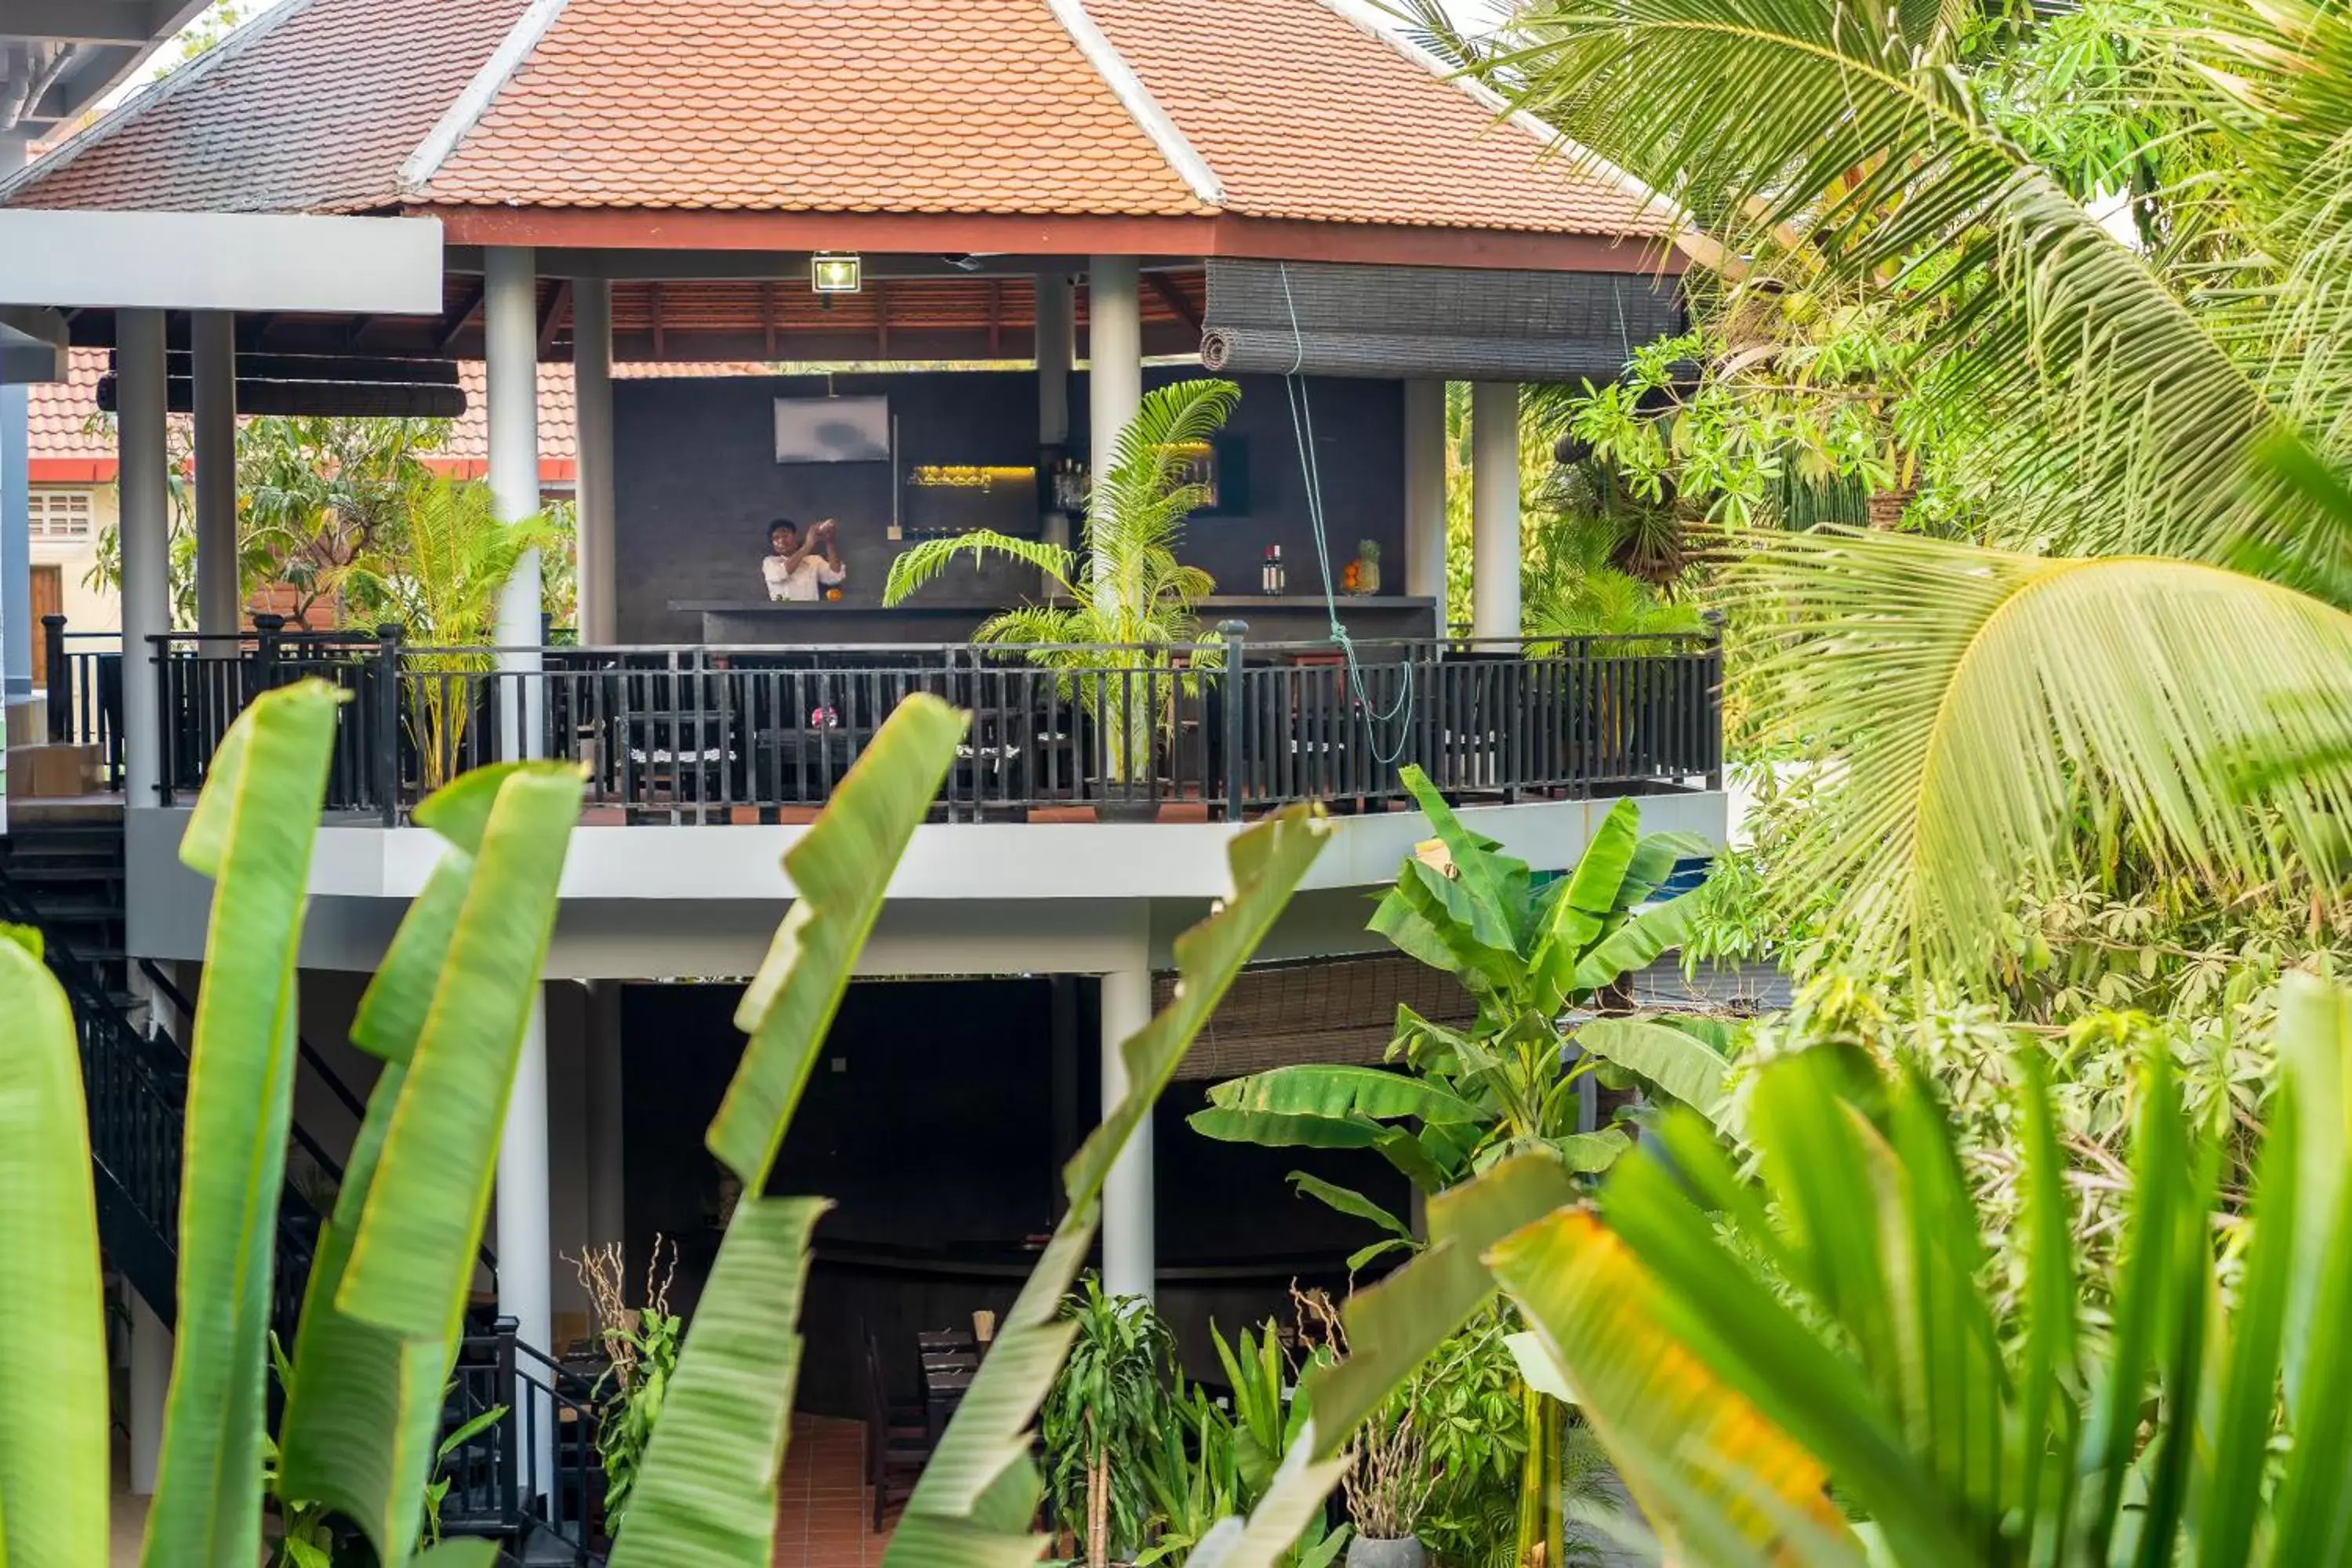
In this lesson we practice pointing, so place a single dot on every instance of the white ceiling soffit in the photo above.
(58, 58)
(220, 261)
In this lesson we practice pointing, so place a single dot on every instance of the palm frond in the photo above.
(930, 560)
(2064, 365)
(1963, 697)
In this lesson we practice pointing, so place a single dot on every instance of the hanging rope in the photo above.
(1302, 429)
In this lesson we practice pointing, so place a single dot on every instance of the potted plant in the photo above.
(1104, 1420)
(1117, 605)
(1388, 1485)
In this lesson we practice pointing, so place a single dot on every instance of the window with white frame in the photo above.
(62, 515)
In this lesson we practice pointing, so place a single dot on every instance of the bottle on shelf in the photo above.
(1281, 575)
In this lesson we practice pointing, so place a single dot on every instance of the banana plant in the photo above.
(1806, 1368)
(1514, 1078)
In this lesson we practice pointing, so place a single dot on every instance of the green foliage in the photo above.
(1507, 1084)
(625, 1420)
(1104, 1420)
(1124, 596)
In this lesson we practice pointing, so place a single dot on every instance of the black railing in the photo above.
(1220, 728)
(84, 693)
(533, 1472)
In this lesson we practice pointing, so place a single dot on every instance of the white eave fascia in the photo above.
(524, 37)
(1135, 98)
(1686, 237)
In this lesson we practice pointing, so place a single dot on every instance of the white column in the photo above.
(1114, 352)
(526, 1245)
(1057, 328)
(1424, 493)
(1130, 1267)
(510, 337)
(150, 1380)
(15, 522)
(146, 543)
(592, 370)
(219, 598)
(1495, 509)
(607, 1189)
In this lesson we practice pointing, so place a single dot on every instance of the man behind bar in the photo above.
(799, 569)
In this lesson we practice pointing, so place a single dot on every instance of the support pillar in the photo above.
(146, 525)
(1495, 509)
(150, 1382)
(1114, 357)
(1057, 330)
(511, 354)
(607, 1189)
(16, 628)
(1129, 1247)
(220, 597)
(592, 367)
(1424, 493)
(526, 1246)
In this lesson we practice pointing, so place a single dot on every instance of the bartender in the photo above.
(798, 568)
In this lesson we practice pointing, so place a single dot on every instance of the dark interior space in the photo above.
(932, 1122)
(697, 483)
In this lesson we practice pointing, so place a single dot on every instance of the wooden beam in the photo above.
(768, 316)
(661, 343)
(1175, 299)
(996, 318)
(359, 329)
(552, 314)
(467, 306)
(882, 318)
(1267, 239)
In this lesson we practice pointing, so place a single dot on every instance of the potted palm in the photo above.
(1117, 606)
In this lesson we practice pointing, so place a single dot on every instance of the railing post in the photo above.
(1236, 639)
(510, 1480)
(267, 628)
(387, 720)
(61, 678)
(1714, 677)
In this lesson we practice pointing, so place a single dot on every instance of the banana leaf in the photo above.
(1591, 1305)
(1636, 943)
(2314, 1043)
(1271, 1130)
(363, 1403)
(412, 1253)
(1347, 1201)
(707, 1493)
(1342, 1092)
(53, 1404)
(974, 1505)
(252, 832)
(1678, 1062)
(841, 868)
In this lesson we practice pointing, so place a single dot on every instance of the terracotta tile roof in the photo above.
(66, 449)
(1304, 114)
(312, 107)
(1017, 108)
(921, 106)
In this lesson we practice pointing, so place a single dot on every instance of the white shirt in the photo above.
(803, 583)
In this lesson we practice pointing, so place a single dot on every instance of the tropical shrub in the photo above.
(1512, 1081)
(1105, 1417)
(1123, 596)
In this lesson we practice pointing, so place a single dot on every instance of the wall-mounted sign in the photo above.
(833, 429)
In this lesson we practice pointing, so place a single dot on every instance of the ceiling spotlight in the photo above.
(837, 272)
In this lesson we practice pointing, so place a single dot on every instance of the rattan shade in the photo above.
(1343, 1011)
(1453, 323)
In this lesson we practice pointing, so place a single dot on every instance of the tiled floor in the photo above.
(827, 1518)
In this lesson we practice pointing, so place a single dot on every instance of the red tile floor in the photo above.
(826, 1518)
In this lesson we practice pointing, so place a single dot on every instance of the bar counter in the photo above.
(1270, 618)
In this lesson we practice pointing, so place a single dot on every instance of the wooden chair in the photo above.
(898, 1445)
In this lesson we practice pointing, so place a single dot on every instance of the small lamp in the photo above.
(837, 273)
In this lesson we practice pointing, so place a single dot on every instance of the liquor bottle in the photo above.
(1281, 573)
(1266, 573)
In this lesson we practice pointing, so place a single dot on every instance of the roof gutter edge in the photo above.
(522, 39)
(1150, 118)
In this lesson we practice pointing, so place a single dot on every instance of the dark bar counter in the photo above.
(1270, 618)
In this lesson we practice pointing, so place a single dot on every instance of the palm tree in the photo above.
(2158, 442)
(1119, 605)
(444, 589)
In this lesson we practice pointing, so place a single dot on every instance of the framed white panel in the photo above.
(220, 261)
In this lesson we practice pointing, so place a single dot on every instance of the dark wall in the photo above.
(929, 1123)
(697, 482)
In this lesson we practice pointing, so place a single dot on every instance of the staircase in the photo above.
(63, 873)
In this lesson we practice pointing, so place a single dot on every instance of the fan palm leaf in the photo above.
(1970, 695)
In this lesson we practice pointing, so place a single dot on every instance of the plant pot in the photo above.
(1365, 1553)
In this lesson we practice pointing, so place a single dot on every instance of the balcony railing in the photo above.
(1218, 729)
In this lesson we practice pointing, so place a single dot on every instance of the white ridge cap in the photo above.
(1142, 107)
